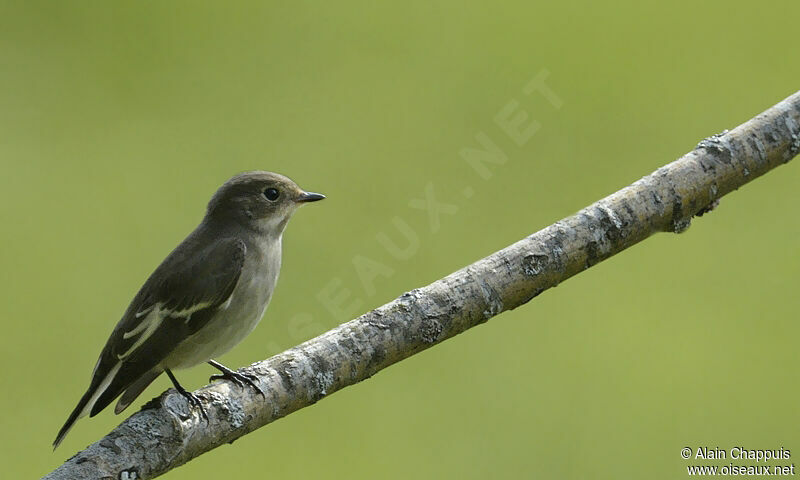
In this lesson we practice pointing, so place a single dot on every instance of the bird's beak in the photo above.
(309, 197)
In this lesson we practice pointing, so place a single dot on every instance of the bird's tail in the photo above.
(77, 413)
(97, 387)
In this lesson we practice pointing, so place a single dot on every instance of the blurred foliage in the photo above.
(120, 119)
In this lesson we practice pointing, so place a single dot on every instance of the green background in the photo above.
(118, 120)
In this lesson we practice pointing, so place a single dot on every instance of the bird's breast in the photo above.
(240, 314)
(254, 290)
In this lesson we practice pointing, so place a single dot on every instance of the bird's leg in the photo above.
(238, 378)
(189, 396)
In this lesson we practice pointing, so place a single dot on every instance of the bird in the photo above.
(206, 296)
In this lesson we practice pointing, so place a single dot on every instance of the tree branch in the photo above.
(167, 433)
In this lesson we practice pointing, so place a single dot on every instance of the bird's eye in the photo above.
(272, 194)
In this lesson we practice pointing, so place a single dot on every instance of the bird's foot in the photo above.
(195, 401)
(190, 397)
(239, 378)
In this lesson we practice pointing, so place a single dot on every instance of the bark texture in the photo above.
(168, 433)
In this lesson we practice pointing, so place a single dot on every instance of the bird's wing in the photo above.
(178, 299)
(185, 288)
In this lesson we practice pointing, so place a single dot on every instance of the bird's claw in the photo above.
(240, 379)
(195, 401)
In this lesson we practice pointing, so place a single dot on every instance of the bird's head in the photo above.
(260, 200)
